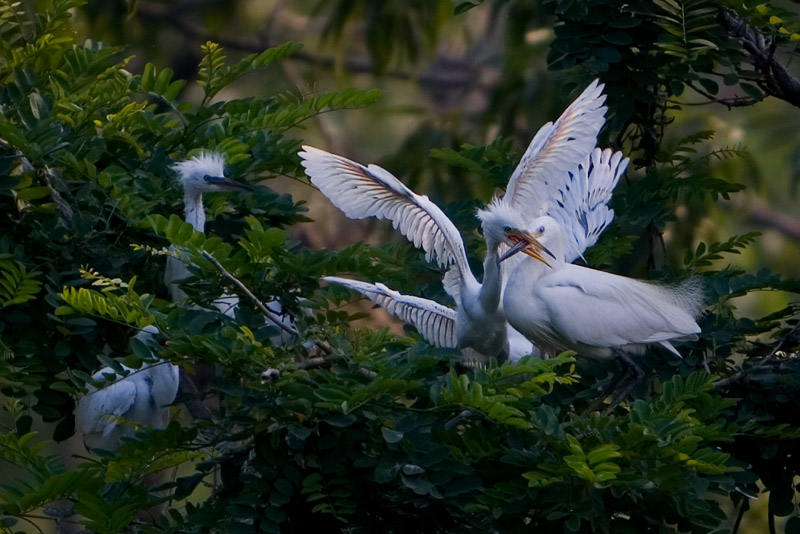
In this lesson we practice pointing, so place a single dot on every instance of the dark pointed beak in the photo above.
(226, 184)
(518, 246)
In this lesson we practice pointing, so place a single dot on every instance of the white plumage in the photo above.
(597, 314)
(204, 173)
(141, 398)
(556, 166)
(436, 323)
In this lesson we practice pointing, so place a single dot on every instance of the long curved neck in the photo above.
(491, 289)
(195, 214)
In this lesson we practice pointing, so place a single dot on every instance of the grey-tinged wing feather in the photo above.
(555, 150)
(581, 203)
(435, 322)
(97, 409)
(371, 191)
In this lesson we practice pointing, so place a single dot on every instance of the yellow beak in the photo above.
(529, 245)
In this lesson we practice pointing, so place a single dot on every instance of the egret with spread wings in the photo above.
(558, 158)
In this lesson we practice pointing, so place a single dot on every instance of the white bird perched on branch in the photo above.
(551, 163)
(204, 173)
(141, 398)
(597, 314)
(144, 395)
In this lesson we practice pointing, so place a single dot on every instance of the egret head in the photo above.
(540, 239)
(206, 173)
(496, 219)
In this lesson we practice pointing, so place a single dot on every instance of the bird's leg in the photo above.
(632, 382)
(606, 391)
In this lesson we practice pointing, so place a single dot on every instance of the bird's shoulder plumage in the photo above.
(97, 409)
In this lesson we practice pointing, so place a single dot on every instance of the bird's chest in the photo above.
(526, 312)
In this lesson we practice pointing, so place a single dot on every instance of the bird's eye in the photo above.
(540, 230)
(207, 178)
(508, 229)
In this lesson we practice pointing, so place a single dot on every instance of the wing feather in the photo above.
(435, 322)
(554, 150)
(581, 203)
(371, 191)
(96, 409)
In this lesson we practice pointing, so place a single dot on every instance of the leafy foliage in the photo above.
(378, 431)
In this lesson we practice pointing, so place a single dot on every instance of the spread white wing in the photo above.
(435, 322)
(371, 191)
(581, 203)
(555, 150)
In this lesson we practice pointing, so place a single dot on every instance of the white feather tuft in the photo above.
(205, 163)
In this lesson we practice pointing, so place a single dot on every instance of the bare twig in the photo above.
(760, 365)
(64, 209)
(266, 312)
(732, 102)
(785, 224)
(761, 214)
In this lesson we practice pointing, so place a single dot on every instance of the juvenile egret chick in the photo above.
(141, 398)
(201, 174)
(597, 314)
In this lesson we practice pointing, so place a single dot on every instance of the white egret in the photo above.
(204, 173)
(597, 314)
(141, 398)
(551, 160)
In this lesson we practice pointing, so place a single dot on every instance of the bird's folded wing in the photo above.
(599, 309)
(436, 323)
(97, 409)
(555, 150)
(581, 202)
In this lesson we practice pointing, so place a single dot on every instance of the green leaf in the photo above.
(391, 436)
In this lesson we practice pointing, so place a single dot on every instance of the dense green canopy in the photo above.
(355, 428)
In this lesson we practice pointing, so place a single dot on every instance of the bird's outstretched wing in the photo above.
(555, 150)
(435, 322)
(371, 191)
(581, 203)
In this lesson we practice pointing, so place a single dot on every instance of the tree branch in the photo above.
(760, 365)
(777, 80)
(266, 312)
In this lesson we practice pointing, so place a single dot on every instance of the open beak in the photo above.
(226, 184)
(529, 245)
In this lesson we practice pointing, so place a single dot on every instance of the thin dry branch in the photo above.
(266, 312)
(766, 362)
